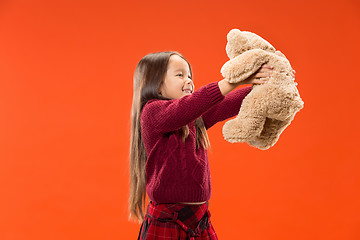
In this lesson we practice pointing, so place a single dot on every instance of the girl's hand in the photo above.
(260, 76)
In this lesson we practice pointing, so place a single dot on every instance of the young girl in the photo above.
(168, 156)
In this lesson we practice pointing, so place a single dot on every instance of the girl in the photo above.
(168, 149)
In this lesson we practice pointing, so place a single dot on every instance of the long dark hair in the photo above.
(148, 77)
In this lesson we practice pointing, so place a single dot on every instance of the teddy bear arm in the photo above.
(243, 66)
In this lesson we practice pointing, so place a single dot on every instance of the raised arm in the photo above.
(226, 87)
(169, 115)
(230, 106)
(227, 108)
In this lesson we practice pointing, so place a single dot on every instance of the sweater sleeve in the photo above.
(227, 108)
(170, 115)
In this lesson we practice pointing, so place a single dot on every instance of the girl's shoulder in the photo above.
(151, 100)
(150, 106)
(158, 103)
(149, 103)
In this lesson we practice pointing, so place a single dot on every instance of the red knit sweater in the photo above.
(177, 171)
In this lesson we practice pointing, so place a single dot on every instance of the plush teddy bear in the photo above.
(270, 107)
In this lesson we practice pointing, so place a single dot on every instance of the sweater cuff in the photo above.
(248, 89)
(214, 92)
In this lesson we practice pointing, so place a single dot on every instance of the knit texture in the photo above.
(177, 171)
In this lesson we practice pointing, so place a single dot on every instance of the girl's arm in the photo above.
(226, 87)
(164, 116)
(230, 106)
(227, 108)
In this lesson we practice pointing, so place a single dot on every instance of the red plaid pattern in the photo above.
(177, 221)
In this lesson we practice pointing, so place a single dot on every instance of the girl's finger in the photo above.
(263, 81)
(265, 71)
(267, 66)
(262, 74)
(258, 81)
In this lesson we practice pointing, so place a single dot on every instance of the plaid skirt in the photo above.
(177, 221)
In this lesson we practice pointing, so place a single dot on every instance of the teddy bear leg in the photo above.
(289, 106)
(270, 134)
(242, 129)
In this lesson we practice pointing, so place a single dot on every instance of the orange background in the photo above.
(66, 71)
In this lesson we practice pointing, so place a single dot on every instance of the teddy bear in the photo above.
(270, 107)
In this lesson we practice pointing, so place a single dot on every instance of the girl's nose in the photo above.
(190, 83)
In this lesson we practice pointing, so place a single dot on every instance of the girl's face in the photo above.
(177, 82)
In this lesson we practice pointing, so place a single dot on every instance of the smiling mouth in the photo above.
(187, 91)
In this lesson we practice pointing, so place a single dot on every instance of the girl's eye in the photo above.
(180, 74)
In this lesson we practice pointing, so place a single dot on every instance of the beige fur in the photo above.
(270, 107)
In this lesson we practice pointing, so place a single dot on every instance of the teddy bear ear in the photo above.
(236, 40)
(233, 32)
